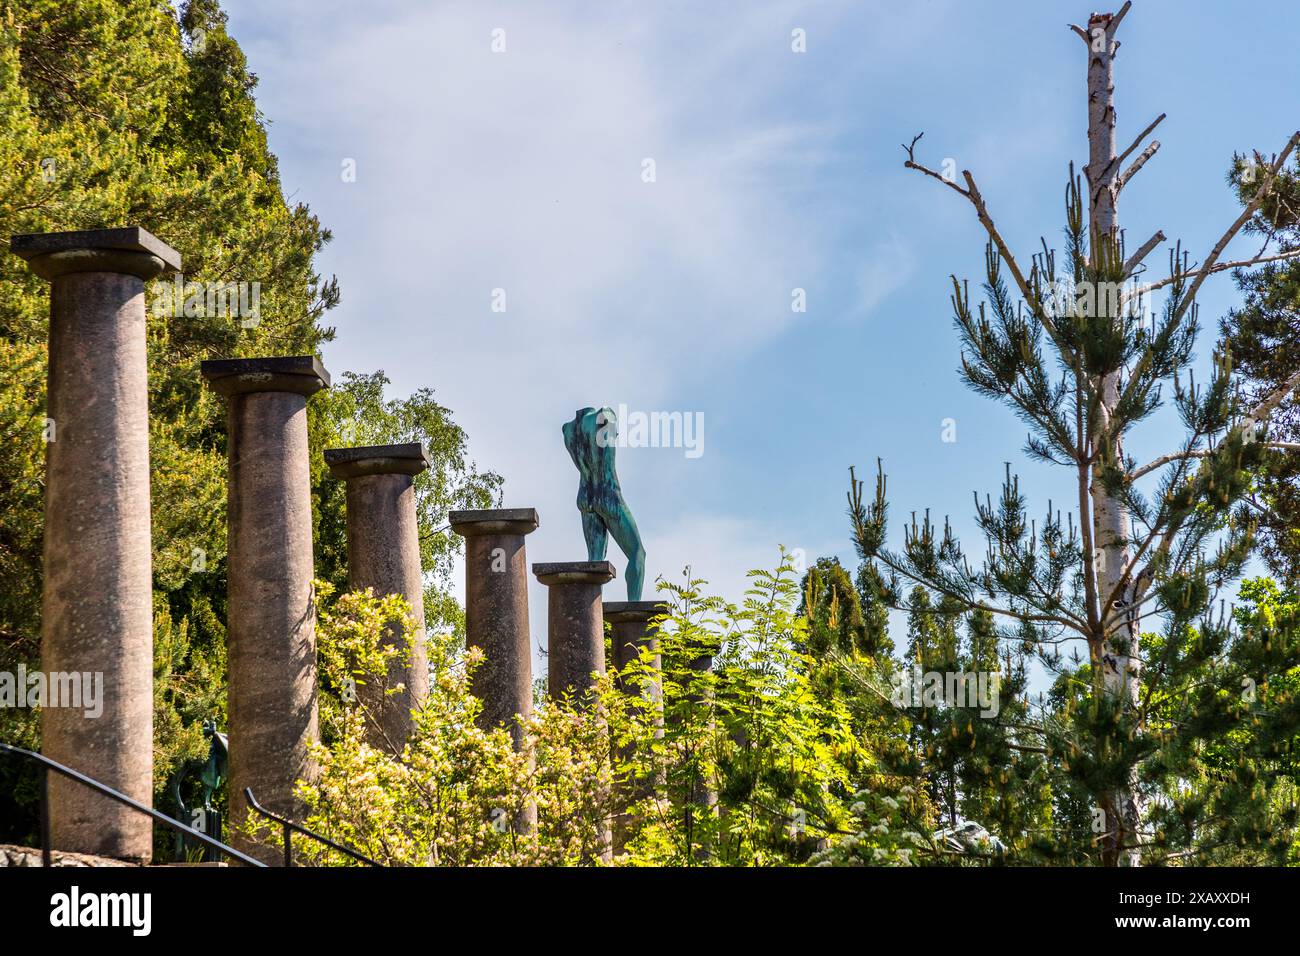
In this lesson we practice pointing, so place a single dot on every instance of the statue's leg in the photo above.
(593, 529)
(623, 528)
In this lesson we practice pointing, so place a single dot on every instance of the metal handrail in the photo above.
(46, 765)
(290, 828)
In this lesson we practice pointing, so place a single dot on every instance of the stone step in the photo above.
(11, 855)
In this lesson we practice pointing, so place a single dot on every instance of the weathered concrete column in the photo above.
(633, 635)
(97, 603)
(496, 621)
(384, 554)
(575, 645)
(496, 610)
(575, 625)
(702, 793)
(695, 691)
(272, 619)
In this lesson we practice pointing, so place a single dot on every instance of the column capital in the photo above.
(130, 251)
(634, 612)
(493, 521)
(406, 459)
(574, 572)
(303, 374)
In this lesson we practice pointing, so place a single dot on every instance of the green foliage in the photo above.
(886, 830)
(783, 754)
(111, 115)
(1227, 714)
(1264, 335)
(740, 763)
(841, 615)
(452, 796)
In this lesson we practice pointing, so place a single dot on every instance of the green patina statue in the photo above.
(205, 818)
(590, 439)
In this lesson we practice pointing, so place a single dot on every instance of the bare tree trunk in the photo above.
(1115, 650)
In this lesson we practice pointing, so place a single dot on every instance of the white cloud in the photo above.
(522, 171)
(889, 265)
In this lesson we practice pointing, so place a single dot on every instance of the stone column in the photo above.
(272, 619)
(575, 625)
(97, 603)
(702, 794)
(384, 555)
(496, 620)
(688, 673)
(575, 643)
(632, 632)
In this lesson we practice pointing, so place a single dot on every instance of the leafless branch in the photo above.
(976, 199)
(1137, 141)
(1136, 259)
(1207, 269)
(1157, 463)
(1138, 163)
(913, 164)
(1275, 398)
(1246, 214)
(1218, 267)
(981, 210)
(1115, 20)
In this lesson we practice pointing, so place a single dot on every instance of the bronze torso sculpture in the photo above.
(590, 439)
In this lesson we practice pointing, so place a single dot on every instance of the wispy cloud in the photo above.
(525, 171)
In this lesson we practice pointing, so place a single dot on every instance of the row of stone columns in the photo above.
(97, 602)
(496, 621)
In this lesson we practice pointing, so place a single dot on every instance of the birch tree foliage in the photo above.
(1117, 591)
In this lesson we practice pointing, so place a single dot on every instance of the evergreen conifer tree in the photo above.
(1264, 335)
(1068, 346)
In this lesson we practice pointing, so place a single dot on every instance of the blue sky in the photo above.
(775, 170)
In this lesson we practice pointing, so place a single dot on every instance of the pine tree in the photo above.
(1004, 783)
(933, 649)
(1069, 348)
(840, 616)
(1264, 335)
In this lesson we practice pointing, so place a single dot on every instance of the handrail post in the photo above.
(290, 828)
(45, 818)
